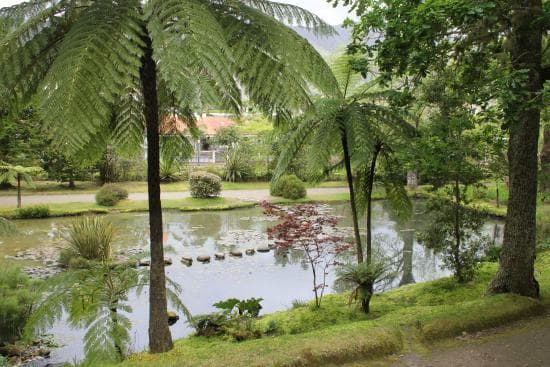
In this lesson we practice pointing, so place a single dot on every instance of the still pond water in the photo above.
(277, 279)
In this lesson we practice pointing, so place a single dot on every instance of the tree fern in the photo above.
(93, 65)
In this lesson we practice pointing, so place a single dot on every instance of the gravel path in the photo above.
(249, 195)
(523, 344)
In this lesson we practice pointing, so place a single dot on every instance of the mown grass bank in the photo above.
(339, 333)
(185, 204)
(55, 188)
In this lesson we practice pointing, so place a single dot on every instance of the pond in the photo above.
(279, 280)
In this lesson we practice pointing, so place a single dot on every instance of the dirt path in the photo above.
(522, 344)
(249, 195)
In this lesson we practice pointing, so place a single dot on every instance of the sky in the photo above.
(331, 15)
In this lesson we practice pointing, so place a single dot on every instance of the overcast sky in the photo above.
(334, 16)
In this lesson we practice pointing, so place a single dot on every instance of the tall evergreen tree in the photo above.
(114, 71)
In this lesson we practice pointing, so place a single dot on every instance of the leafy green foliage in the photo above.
(33, 212)
(227, 136)
(6, 227)
(90, 238)
(10, 173)
(455, 232)
(235, 320)
(110, 195)
(204, 185)
(238, 166)
(361, 278)
(289, 187)
(17, 298)
(250, 307)
(96, 299)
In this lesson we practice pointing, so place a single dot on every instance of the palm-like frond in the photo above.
(98, 59)
(7, 228)
(292, 15)
(194, 58)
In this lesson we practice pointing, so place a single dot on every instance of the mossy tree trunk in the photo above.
(160, 339)
(516, 273)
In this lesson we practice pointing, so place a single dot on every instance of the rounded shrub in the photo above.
(31, 212)
(204, 185)
(110, 195)
(289, 187)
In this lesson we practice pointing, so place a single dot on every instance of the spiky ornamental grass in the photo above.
(91, 238)
(106, 71)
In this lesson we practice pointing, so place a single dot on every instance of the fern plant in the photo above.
(112, 71)
(9, 172)
(97, 299)
(356, 125)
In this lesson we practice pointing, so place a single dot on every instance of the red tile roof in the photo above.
(209, 125)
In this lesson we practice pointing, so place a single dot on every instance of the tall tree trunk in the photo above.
(19, 190)
(545, 162)
(456, 252)
(160, 339)
(349, 176)
(516, 273)
(370, 186)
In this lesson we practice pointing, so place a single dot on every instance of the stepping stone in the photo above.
(172, 317)
(263, 249)
(187, 260)
(167, 261)
(203, 258)
(144, 263)
(250, 251)
(219, 256)
(236, 253)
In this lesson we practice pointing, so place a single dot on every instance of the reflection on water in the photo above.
(278, 279)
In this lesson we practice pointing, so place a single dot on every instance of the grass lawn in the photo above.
(339, 333)
(55, 188)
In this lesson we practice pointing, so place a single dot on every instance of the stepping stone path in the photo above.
(236, 253)
(203, 258)
(219, 256)
(187, 260)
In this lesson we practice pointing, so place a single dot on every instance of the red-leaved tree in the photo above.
(305, 227)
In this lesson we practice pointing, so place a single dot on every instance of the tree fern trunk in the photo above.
(516, 273)
(19, 190)
(370, 186)
(349, 176)
(160, 339)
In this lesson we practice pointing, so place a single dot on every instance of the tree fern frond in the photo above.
(102, 46)
(292, 15)
(191, 47)
(277, 67)
(129, 125)
(297, 138)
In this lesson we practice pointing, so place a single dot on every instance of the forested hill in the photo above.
(327, 45)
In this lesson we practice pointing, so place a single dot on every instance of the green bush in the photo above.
(204, 185)
(30, 212)
(110, 195)
(214, 169)
(16, 302)
(88, 238)
(289, 187)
